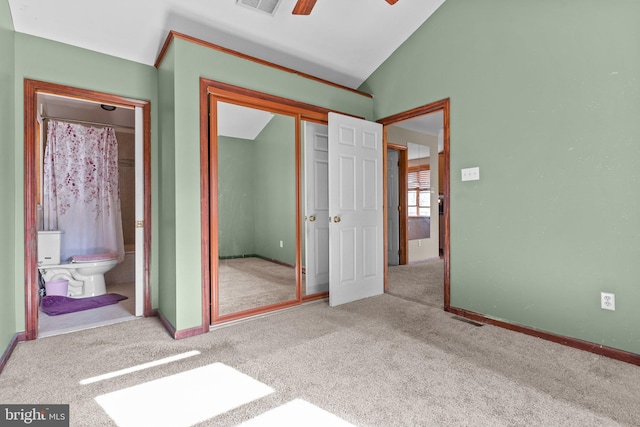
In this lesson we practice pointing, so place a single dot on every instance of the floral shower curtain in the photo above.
(81, 195)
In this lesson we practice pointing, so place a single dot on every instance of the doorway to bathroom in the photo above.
(130, 121)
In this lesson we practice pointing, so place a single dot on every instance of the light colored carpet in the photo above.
(383, 361)
(421, 282)
(246, 283)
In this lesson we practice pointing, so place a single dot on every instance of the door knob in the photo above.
(336, 218)
(312, 218)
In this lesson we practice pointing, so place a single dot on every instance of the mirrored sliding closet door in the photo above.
(256, 209)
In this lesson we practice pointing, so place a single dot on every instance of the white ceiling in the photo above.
(60, 107)
(428, 123)
(342, 41)
(241, 122)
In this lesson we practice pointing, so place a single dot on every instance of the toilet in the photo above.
(85, 273)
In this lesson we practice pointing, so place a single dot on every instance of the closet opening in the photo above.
(253, 152)
(271, 205)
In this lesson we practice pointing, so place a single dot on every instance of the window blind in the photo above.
(420, 179)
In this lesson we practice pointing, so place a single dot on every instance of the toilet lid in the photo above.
(93, 257)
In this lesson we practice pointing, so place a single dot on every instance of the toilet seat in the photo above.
(76, 259)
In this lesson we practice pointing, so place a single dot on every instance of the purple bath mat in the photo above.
(54, 304)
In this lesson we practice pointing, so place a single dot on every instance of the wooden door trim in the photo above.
(208, 170)
(31, 90)
(265, 101)
(444, 106)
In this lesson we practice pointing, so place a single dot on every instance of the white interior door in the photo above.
(139, 208)
(393, 214)
(356, 247)
(316, 171)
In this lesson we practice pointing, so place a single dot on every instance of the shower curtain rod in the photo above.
(86, 122)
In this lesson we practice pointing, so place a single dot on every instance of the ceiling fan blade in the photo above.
(304, 7)
(392, 1)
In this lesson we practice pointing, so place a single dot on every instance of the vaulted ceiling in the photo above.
(342, 41)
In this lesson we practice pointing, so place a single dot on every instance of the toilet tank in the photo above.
(49, 247)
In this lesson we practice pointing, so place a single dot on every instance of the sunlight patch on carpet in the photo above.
(139, 367)
(297, 413)
(183, 399)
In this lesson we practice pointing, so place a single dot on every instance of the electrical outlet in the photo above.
(607, 301)
(471, 174)
(281, 244)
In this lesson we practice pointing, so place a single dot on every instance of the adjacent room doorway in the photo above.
(431, 212)
(66, 99)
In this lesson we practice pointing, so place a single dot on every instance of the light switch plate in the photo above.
(471, 174)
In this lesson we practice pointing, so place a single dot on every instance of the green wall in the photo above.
(193, 61)
(236, 197)
(275, 166)
(45, 60)
(167, 183)
(545, 99)
(257, 193)
(7, 180)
